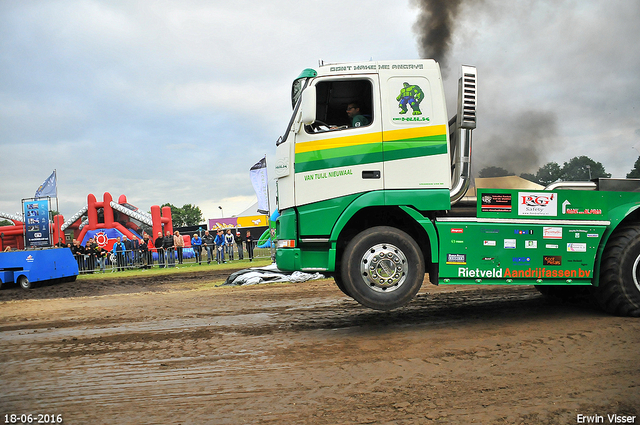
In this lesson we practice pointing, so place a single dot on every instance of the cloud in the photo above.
(174, 102)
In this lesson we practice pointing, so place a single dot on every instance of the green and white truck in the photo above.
(380, 203)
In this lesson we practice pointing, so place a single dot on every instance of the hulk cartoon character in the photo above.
(411, 95)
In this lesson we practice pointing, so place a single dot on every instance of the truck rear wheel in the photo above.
(382, 268)
(619, 289)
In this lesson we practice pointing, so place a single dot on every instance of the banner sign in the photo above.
(258, 174)
(238, 222)
(36, 222)
(223, 223)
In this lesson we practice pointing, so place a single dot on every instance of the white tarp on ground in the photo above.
(268, 274)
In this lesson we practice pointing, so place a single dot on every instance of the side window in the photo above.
(342, 104)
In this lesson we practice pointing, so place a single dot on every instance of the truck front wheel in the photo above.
(382, 268)
(619, 289)
(340, 284)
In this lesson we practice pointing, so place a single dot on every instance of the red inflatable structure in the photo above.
(12, 236)
(105, 221)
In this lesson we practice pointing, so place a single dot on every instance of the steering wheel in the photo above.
(315, 126)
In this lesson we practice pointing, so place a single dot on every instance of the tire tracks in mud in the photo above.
(306, 354)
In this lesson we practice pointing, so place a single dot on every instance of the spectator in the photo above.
(230, 242)
(178, 242)
(249, 241)
(119, 250)
(169, 248)
(127, 250)
(196, 244)
(100, 255)
(135, 251)
(208, 241)
(145, 252)
(220, 244)
(239, 244)
(159, 244)
(78, 252)
(89, 251)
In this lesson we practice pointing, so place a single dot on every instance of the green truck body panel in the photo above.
(517, 236)
(532, 237)
(496, 253)
(328, 218)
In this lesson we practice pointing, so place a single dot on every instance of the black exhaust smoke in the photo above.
(435, 27)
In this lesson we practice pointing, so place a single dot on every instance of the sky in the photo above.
(174, 101)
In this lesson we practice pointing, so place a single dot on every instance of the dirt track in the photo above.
(170, 351)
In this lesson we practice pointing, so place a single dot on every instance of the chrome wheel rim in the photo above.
(384, 267)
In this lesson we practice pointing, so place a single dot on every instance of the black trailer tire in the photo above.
(24, 283)
(619, 289)
(382, 268)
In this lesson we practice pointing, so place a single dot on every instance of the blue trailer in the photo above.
(28, 267)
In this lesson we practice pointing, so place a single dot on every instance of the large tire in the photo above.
(619, 289)
(24, 283)
(340, 284)
(382, 268)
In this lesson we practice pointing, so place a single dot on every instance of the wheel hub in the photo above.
(383, 267)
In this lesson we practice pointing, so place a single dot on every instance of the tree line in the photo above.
(579, 168)
(187, 215)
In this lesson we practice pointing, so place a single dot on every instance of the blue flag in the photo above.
(48, 188)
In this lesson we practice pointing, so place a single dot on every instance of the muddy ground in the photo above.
(176, 350)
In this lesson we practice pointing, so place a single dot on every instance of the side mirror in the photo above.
(308, 106)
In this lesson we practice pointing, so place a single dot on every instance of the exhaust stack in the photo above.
(461, 127)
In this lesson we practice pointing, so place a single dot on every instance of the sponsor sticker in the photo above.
(538, 204)
(489, 243)
(456, 258)
(466, 272)
(510, 243)
(457, 230)
(576, 247)
(586, 211)
(551, 246)
(552, 232)
(531, 244)
(30, 258)
(523, 232)
(521, 259)
(552, 260)
(496, 202)
(490, 230)
(592, 235)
